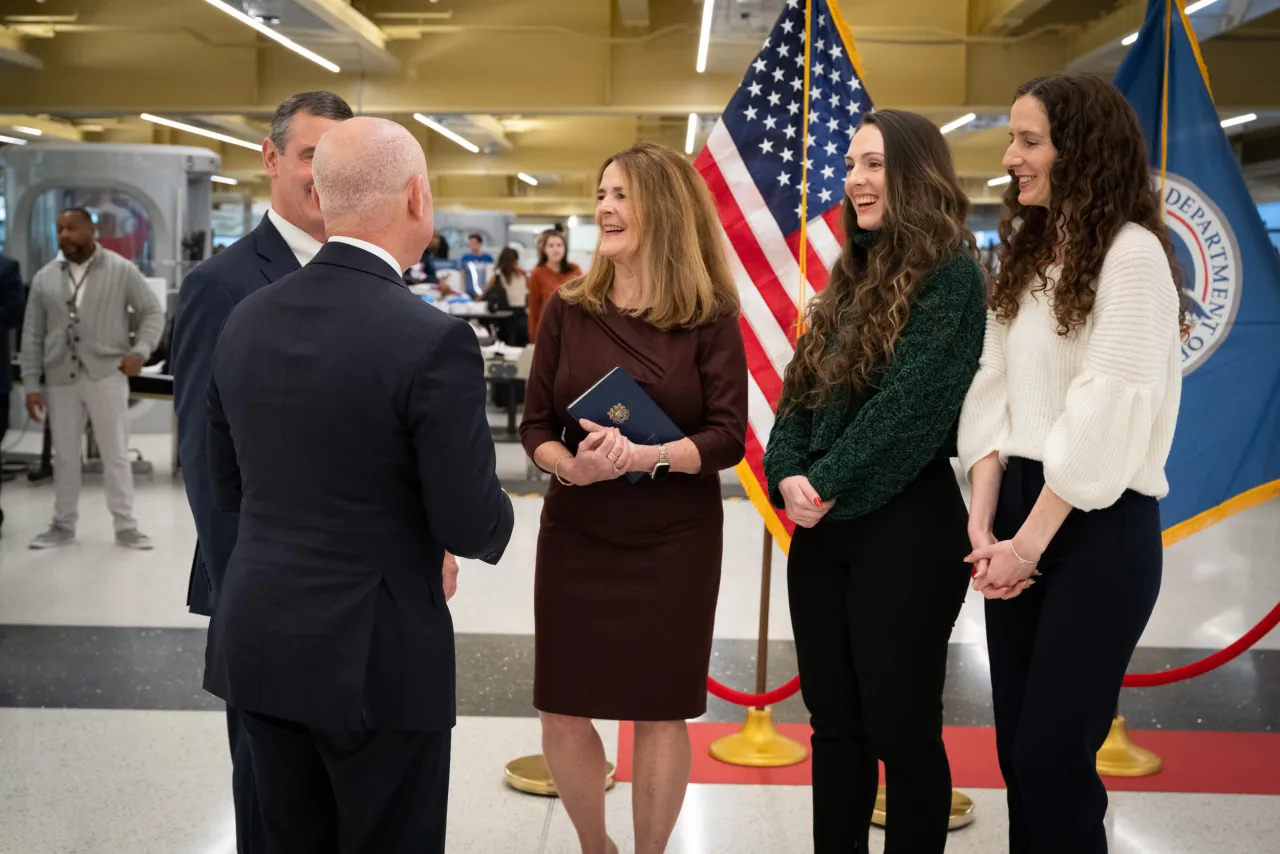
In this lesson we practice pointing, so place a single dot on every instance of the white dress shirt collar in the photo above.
(303, 245)
(372, 249)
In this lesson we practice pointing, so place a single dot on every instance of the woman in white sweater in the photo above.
(1065, 433)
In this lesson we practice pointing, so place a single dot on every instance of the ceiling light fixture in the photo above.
(27, 130)
(444, 131)
(528, 179)
(222, 179)
(1240, 120)
(958, 123)
(693, 130)
(1001, 181)
(704, 39)
(13, 140)
(221, 137)
(275, 36)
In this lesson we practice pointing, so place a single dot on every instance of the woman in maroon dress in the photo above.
(628, 573)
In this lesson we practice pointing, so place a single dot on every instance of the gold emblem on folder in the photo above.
(619, 414)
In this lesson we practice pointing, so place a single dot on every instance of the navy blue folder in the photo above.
(618, 401)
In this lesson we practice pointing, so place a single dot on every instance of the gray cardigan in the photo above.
(112, 286)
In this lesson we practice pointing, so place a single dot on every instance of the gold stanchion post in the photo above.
(1120, 757)
(759, 744)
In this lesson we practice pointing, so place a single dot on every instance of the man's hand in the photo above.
(450, 572)
(131, 364)
(35, 406)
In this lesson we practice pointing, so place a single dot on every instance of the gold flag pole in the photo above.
(759, 744)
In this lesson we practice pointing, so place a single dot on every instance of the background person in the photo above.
(552, 272)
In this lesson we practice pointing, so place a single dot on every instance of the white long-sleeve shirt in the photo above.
(1097, 406)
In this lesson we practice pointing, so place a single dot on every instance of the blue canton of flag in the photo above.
(1226, 450)
(764, 118)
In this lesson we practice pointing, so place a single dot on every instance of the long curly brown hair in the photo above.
(854, 325)
(1099, 183)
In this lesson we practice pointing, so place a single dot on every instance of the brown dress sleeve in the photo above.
(541, 422)
(722, 366)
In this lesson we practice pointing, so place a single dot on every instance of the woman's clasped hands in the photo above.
(997, 571)
(604, 455)
(804, 506)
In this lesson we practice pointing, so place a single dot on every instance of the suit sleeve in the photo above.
(224, 471)
(33, 334)
(467, 510)
(203, 307)
(11, 301)
(722, 367)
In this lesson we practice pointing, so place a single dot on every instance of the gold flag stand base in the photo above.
(1120, 757)
(529, 774)
(961, 810)
(758, 744)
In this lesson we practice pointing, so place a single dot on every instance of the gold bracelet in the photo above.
(563, 482)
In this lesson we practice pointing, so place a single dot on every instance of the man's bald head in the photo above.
(365, 171)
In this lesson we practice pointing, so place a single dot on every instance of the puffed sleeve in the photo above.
(541, 422)
(985, 422)
(722, 367)
(1099, 443)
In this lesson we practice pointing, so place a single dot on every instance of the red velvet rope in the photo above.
(1131, 680)
(777, 695)
(1211, 662)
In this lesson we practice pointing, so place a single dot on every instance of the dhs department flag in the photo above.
(1226, 451)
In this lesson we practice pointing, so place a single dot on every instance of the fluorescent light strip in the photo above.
(692, 132)
(1191, 10)
(272, 34)
(958, 123)
(13, 140)
(221, 137)
(1000, 182)
(528, 179)
(704, 39)
(221, 179)
(1240, 120)
(444, 131)
(27, 130)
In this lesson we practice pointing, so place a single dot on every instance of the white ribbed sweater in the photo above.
(1098, 406)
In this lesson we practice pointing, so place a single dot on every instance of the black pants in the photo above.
(1058, 654)
(251, 833)
(4, 428)
(391, 789)
(873, 601)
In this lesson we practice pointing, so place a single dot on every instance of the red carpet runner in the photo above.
(1243, 763)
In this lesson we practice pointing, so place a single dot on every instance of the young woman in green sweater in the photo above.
(859, 458)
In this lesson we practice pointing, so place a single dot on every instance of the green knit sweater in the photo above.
(864, 452)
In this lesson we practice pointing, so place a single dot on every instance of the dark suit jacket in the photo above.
(13, 304)
(208, 294)
(347, 426)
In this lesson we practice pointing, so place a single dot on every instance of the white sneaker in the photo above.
(134, 539)
(54, 538)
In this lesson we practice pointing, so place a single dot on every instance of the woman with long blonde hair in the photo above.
(860, 459)
(628, 573)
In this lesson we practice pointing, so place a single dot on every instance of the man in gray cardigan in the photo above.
(77, 333)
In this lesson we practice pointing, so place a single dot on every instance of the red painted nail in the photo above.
(817, 502)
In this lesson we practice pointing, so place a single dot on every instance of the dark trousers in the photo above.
(4, 428)
(391, 789)
(873, 602)
(251, 834)
(1058, 654)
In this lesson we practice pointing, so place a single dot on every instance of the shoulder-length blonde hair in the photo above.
(682, 271)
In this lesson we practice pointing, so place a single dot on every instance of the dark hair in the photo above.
(543, 260)
(855, 323)
(324, 105)
(81, 211)
(506, 264)
(1100, 183)
(475, 237)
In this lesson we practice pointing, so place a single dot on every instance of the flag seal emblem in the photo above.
(1209, 254)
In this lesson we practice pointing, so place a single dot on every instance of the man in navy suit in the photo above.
(287, 238)
(347, 428)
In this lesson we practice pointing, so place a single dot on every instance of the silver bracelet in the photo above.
(1020, 558)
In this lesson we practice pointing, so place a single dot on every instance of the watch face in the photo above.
(660, 471)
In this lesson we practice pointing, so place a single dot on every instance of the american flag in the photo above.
(752, 162)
